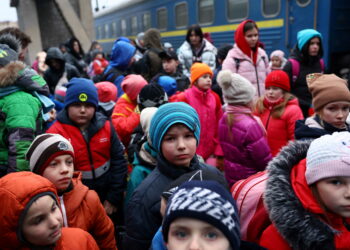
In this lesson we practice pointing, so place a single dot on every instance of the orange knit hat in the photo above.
(199, 69)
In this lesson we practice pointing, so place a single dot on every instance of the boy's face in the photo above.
(81, 114)
(179, 145)
(43, 222)
(170, 65)
(204, 82)
(186, 233)
(60, 171)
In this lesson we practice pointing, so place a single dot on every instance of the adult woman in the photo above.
(196, 49)
(75, 56)
(247, 58)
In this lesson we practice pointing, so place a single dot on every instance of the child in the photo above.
(241, 135)
(99, 63)
(277, 60)
(208, 106)
(247, 58)
(107, 97)
(174, 134)
(125, 117)
(98, 151)
(331, 102)
(52, 156)
(278, 110)
(31, 218)
(308, 200)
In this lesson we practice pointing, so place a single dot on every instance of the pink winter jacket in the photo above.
(255, 74)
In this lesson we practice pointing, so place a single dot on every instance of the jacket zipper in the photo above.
(268, 120)
(257, 80)
(90, 159)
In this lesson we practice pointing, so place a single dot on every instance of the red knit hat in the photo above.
(107, 92)
(199, 69)
(278, 78)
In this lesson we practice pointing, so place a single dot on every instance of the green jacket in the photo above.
(20, 114)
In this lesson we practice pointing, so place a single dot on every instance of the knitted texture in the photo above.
(199, 69)
(305, 35)
(278, 78)
(81, 90)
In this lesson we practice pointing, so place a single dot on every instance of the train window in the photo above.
(114, 29)
(146, 18)
(123, 27)
(271, 7)
(237, 9)
(106, 27)
(205, 11)
(162, 19)
(181, 15)
(133, 25)
(303, 3)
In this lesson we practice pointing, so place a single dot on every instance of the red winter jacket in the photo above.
(99, 65)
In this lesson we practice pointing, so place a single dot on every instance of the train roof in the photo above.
(121, 4)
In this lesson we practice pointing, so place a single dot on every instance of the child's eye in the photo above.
(38, 220)
(53, 164)
(69, 162)
(189, 135)
(54, 207)
(180, 234)
(169, 138)
(211, 235)
(335, 182)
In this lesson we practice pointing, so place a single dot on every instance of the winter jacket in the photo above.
(185, 56)
(84, 210)
(208, 106)
(98, 155)
(143, 217)
(281, 130)
(313, 127)
(20, 114)
(99, 65)
(125, 119)
(122, 53)
(17, 190)
(74, 58)
(51, 75)
(299, 222)
(245, 147)
(249, 63)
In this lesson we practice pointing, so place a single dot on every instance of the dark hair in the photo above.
(197, 30)
(249, 26)
(305, 49)
(21, 36)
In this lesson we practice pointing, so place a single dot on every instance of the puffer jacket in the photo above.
(244, 144)
(20, 114)
(84, 210)
(185, 56)
(143, 217)
(299, 222)
(253, 64)
(17, 190)
(281, 130)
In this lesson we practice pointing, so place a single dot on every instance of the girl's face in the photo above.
(43, 222)
(334, 194)
(81, 114)
(76, 47)
(273, 93)
(314, 46)
(195, 40)
(60, 171)
(186, 233)
(179, 145)
(204, 82)
(335, 113)
(276, 62)
(252, 37)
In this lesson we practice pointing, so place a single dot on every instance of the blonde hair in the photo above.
(278, 110)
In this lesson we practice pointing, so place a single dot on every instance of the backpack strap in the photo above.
(114, 72)
(322, 65)
(295, 69)
(237, 62)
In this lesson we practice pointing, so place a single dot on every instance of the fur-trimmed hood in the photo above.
(300, 227)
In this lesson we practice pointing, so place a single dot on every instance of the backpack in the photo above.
(248, 194)
(296, 68)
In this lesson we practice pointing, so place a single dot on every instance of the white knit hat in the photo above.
(328, 156)
(235, 88)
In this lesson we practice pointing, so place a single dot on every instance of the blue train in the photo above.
(278, 21)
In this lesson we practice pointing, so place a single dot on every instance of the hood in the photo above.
(54, 53)
(77, 195)
(152, 39)
(122, 52)
(242, 43)
(17, 190)
(297, 224)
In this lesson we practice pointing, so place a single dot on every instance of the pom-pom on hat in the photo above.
(327, 88)
(278, 78)
(7, 55)
(207, 201)
(199, 69)
(106, 91)
(328, 156)
(132, 85)
(81, 90)
(44, 149)
(235, 88)
(170, 114)
(151, 95)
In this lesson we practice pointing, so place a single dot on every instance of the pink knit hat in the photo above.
(107, 92)
(132, 85)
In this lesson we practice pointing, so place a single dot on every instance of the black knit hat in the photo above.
(151, 95)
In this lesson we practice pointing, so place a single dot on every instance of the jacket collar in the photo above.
(173, 171)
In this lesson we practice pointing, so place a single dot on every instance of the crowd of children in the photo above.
(142, 150)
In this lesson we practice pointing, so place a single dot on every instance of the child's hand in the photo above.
(52, 114)
(110, 209)
(220, 163)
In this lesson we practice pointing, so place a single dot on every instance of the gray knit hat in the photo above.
(7, 55)
(235, 88)
(328, 156)
(44, 149)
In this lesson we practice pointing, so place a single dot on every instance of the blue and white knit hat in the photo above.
(328, 156)
(206, 201)
(170, 114)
